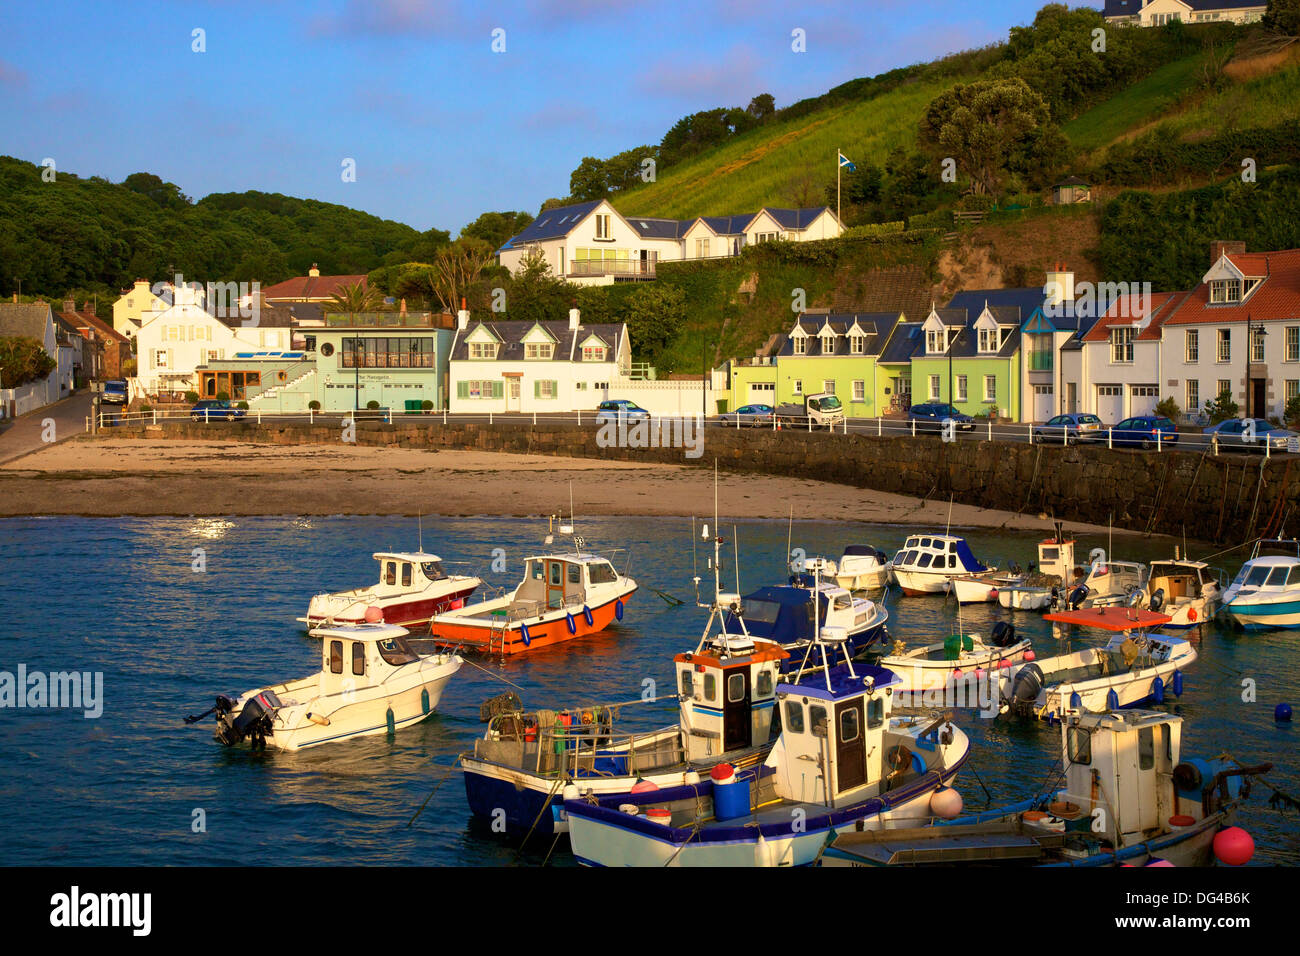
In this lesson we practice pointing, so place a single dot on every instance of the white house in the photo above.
(1155, 13)
(172, 343)
(1119, 361)
(35, 321)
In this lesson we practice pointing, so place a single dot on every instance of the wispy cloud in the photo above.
(11, 76)
(730, 77)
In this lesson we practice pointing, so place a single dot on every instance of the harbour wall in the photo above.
(1224, 498)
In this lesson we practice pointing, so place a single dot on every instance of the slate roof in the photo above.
(966, 345)
(876, 325)
(794, 218)
(311, 287)
(553, 223)
(1131, 8)
(1026, 300)
(728, 225)
(567, 341)
(949, 317)
(24, 318)
(649, 228)
(905, 339)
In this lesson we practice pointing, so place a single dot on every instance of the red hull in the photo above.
(408, 613)
(539, 635)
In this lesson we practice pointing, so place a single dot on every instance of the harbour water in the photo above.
(124, 597)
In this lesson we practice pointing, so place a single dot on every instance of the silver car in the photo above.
(1250, 434)
(753, 416)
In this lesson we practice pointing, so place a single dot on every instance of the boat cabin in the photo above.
(832, 736)
(1056, 556)
(408, 570)
(354, 656)
(1114, 580)
(727, 689)
(784, 613)
(1181, 580)
(1273, 572)
(938, 553)
(557, 581)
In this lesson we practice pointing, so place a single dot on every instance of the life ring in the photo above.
(283, 375)
(618, 609)
(586, 615)
(523, 633)
(573, 625)
(1191, 614)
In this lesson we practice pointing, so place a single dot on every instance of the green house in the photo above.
(837, 353)
(971, 359)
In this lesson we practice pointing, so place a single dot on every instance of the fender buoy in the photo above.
(1158, 691)
(573, 625)
(523, 633)
(1191, 614)
(1112, 700)
(586, 614)
(618, 609)
(1177, 685)
(390, 721)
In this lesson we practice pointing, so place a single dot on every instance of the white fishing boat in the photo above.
(1133, 667)
(1130, 798)
(927, 563)
(983, 588)
(950, 664)
(861, 568)
(1108, 583)
(1025, 597)
(413, 587)
(371, 682)
(1266, 591)
(1054, 570)
(1188, 591)
(726, 693)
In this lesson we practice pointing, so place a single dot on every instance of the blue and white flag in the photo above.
(845, 164)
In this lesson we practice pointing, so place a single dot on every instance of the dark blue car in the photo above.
(1145, 431)
(213, 410)
(930, 416)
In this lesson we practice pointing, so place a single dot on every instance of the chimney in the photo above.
(1059, 287)
(313, 271)
(403, 309)
(69, 305)
(1220, 247)
(462, 319)
(575, 318)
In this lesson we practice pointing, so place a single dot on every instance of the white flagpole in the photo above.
(838, 167)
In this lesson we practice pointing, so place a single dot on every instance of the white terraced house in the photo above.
(1156, 13)
(592, 243)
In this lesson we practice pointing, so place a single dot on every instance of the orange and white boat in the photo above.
(562, 596)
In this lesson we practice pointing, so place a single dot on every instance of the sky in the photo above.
(440, 126)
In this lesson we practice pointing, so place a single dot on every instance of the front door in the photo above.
(512, 394)
(1257, 398)
(850, 746)
(736, 730)
(554, 584)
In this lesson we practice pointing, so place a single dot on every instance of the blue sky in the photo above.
(440, 126)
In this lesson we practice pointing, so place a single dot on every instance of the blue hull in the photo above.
(488, 795)
(1282, 615)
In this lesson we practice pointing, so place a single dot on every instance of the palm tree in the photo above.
(351, 299)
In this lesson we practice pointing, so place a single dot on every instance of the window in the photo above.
(1224, 385)
(1225, 346)
(850, 725)
(538, 350)
(1192, 346)
(859, 390)
(1193, 395)
(601, 573)
(701, 248)
(1121, 346)
(1292, 343)
(794, 716)
(477, 350)
(990, 388)
(484, 389)
(800, 345)
(934, 388)
(735, 688)
(602, 226)
(961, 388)
(763, 686)
(336, 657)
(395, 352)
(710, 686)
(797, 386)
(433, 570)
(546, 388)
(817, 719)
(1225, 290)
(390, 572)
(857, 344)
(687, 682)
(875, 713)
(1079, 742)
(358, 657)
(395, 651)
(593, 353)
(828, 386)
(988, 340)
(1257, 345)
(934, 341)
(1292, 389)
(1146, 748)
(828, 344)
(160, 358)
(575, 574)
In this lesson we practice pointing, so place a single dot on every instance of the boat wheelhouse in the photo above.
(1188, 591)
(1133, 667)
(1109, 583)
(1265, 594)
(861, 568)
(371, 682)
(927, 563)
(413, 587)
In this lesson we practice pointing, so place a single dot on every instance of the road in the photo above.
(29, 433)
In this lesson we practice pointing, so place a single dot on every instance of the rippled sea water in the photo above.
(120, 596)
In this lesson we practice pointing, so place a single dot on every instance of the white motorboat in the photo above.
(927, 563)
(1108, 583)
(950, 664)
(371, 682)
(861, 568)
(1133, 667)
(1130, 799)
(1025, 597)
(1188, 591)
(413, 587)
(1266, 591)
(983, 588)
(1055, 570)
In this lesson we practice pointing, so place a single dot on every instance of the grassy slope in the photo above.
(1140, 103)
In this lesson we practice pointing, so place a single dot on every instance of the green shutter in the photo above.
(462, 389)
(537, 388)
(498, 389)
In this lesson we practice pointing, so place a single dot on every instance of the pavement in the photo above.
(28, 432)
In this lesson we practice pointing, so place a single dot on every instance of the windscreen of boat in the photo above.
(433, 570)
(1277, 577)
(1257, 575)
(781, 614)
(396, 651)
(600, 572)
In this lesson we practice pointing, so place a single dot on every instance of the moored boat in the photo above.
(861, 568)
(948, 665)
(371, 682)
(1188, 591)
(927, 563)
(1265, 594)
(413, 587)
(985, 587)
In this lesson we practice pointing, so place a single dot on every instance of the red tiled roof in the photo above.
(1276, 297)
(84, 320)
(311, 287)
(1252, 264)
(1134, 310)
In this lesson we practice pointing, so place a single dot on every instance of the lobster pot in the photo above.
(731, 800)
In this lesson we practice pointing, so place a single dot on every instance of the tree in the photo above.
(455, 268)
(1283, 16)
(590, 180)
(1222, 408)
(761, 106)
(495, 228)
(536, 294)
(355, 298)
(23, 360)
(167, 195)
(983, 125)
(654, 315)
(1291, 414)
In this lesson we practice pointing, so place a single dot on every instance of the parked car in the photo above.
(930, 416)
(754, 416)
(1236, 433)
(210, 410)
(1145, 431)
(115, 393)
(1073, 427)
(619, 409)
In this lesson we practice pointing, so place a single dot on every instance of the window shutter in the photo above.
(537, 388)
(462, 389)
(498, 389)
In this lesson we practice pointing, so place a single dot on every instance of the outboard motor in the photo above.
(254, 721)
(1077, 597)
(1003, 634)
(1157, 600)
(1025, 688)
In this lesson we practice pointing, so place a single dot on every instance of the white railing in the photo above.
(982, 431)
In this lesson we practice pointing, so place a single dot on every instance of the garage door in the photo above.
(1044, 406)
(1110, 403)
(1144, 399)
(763, 393)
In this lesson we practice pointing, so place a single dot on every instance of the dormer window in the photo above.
(593, 353)
(828, 344)
(934, 342)
(800, 345)
(988, 340)
(539, 350)
(1224, 291)
(482, 350)
(857, 344)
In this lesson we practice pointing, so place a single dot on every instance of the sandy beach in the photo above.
(163, 477)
